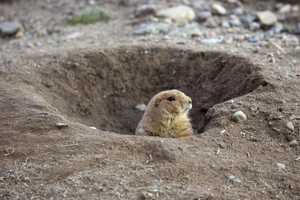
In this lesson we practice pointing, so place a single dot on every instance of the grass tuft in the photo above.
(90, 16)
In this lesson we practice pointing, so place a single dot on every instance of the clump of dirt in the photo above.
(102, 88)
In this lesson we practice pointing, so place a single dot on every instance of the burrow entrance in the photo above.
(101, 88)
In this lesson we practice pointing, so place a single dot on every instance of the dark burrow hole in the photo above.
(101, 88)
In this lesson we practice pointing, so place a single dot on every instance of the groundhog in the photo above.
(166, 115)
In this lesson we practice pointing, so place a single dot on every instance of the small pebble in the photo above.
(239, 116)
(180, 14)
(73, 36)
(234, 21)
(293, 143)
(61, 125)
(285, 9)
(280, 166)
(218, 9)
(247, 19)
(141, 107)
(9, 28)
(267, 18)
(234, 179)
(203, 16)
(212, 41)
(290, 125)
(92, 127)
(238, 11)
(19, 34)
(152, 28)
(297, 29)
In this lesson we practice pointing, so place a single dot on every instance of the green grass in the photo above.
(90, 16)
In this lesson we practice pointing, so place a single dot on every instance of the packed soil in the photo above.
(68, 112)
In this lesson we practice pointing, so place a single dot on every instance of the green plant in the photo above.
(90, 16)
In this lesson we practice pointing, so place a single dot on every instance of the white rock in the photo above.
(9, 28)
(280, 166)
(290, 125)
(61, 125)
(267, 18)
(141, 107)
(73, 36)
(218, 9)
(179, 14)
(152, 28)
(293, 143)
(285, 8)
(239, 116)
(234, 179)
(212, 41)
(295, 8)
(92, 127)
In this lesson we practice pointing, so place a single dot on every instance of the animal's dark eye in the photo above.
(171, 98)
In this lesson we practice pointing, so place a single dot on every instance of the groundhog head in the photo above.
(172, 102)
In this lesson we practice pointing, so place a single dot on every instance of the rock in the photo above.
(187, 31)
(295, 8)
(297, 29)
(152, 28)
(218, 9)
(267, 18)
(211, 23)
(234, 179)
(19, 34)
(285, 9)
(255, 38)
(247, 19)
(239, 116)
(238, 11)
(61, 125)
(212, 41)
(234, 21)
(254, 26)
(141, 107)
(277, 28)
(179, 14)
(146, 195)
(203, 16)
(225, 24)
(92, 127)
(9, 28)
(293, 143)
(144, 10)
(91, 2)
(290, 125)
(280, 166)
(73, 36)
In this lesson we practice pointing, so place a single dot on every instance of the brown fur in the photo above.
(167, 116)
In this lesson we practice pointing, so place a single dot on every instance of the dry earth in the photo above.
(68, 110)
